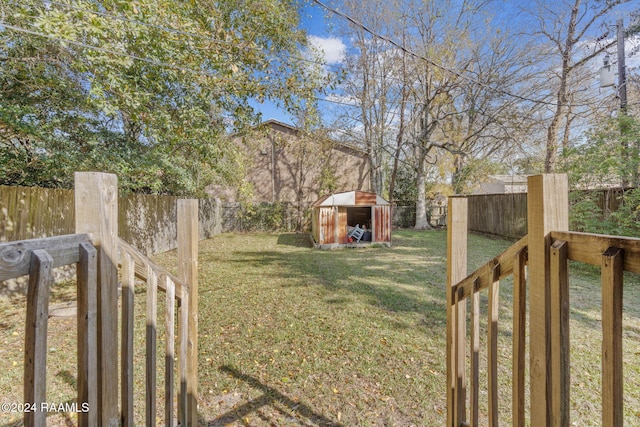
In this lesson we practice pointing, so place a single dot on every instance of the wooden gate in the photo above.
(545, 251)
(97, 252)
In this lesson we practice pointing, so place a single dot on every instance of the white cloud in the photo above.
(333, 49)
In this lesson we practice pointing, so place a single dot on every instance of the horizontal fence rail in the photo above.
(37, 258)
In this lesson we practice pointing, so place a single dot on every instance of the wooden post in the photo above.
(548, 207)
(35, 341)
(96, 210)
(87, 334)
(456, 327)
(612, 378)
(188, 273)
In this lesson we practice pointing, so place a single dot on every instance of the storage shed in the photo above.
(353, 218)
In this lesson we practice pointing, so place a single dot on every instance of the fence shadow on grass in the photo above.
(269, 397)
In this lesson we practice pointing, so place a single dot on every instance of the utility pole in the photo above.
(622, 75)
(629, 167)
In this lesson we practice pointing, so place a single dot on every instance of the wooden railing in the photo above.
(37, 258)
(97, 251)
(547, 254)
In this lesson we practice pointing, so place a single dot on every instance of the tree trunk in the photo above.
(422, 222)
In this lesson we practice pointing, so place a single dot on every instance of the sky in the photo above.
(317, 22)
(314, 21)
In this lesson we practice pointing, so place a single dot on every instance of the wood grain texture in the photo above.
(548, 210)
(188, 273)
(96, 213)
(35, 346)
(15, 257)
(519, 339)
(87, 324)
(560, 334)
(612, 379)
(588, 248)
(151, 371)
(457, 221)
(126, 344)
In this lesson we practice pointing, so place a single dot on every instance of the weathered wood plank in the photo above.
(126, 361)
(612, 379)
(457, 221)
(183, 337)
(169, 350)
(15, 257)
(96, 204)
(492, 348)
(151, 348)
(560, 374)
(87, 318)
(188, 273)
(475, 361)
(519, 339)
(35, 346)
(142, 264)
(588, 248)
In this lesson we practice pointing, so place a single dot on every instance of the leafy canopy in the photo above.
(146, 89)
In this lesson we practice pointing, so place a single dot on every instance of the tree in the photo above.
(565, 27)
(147, 89)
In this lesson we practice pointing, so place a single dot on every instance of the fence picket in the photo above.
(169, 350)
(519, 338)
(612, 380)
(87, 318)
(35, 356)
(475, 359)
(151, 368)
(183, 337)
(492, 344)
(126, 361)
(559, 319)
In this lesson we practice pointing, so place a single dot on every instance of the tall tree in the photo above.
(148, 88)
(564, 26)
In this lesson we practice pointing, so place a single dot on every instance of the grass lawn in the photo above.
(291, 335)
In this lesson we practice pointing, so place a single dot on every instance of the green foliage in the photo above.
(146, 89)
(587, 214)
(474, 171)
(627, 216)
(269, 217)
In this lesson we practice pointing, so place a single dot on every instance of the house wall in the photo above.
(287, 167)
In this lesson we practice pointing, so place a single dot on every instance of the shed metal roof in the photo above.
(351, 198)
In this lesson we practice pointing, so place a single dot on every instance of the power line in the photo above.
(427, 60)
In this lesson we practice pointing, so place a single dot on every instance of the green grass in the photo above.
(290, 335)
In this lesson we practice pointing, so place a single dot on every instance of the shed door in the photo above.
(327, 225)
(382, 223)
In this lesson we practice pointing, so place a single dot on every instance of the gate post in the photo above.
(96, 211)
(547, 210)
(188, 273)
(457, 225)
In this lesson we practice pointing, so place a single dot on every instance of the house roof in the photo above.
(275, 124)
(351, 198)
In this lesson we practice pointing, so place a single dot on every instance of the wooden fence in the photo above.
(98, 252)
(505, 215)
(546, 251)
(146, 221)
